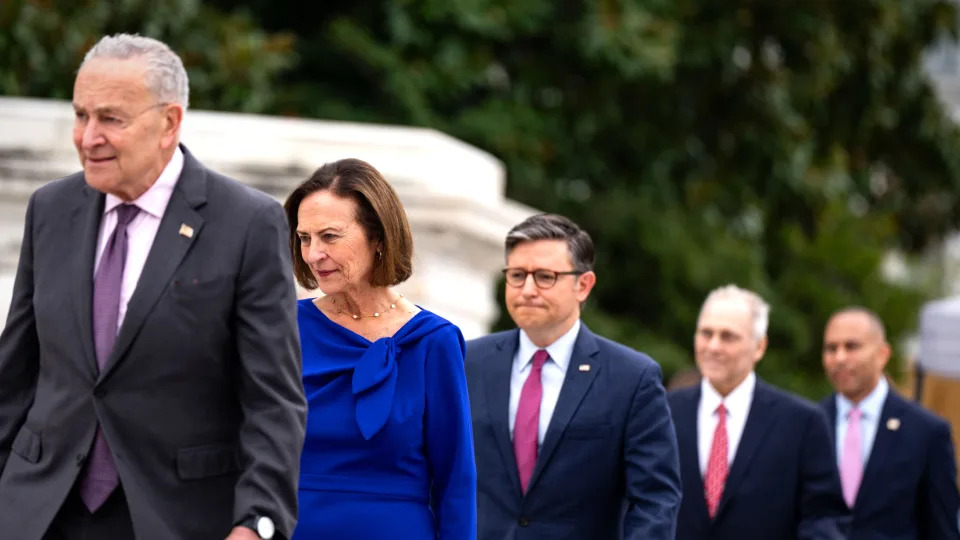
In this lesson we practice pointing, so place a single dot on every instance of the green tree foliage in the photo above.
(785, 146)
(231, 62)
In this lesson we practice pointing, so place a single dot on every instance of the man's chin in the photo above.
(96, 179)
(719, 379)
(524, 320)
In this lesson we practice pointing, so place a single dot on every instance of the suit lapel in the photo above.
(882, 443)
(762, 413)
(497, 387)
(86, 220)
(168, 249)
(576, 382)
(687, 437)
(830, 407)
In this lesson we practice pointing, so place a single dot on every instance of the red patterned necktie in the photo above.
(717, 466)
(527, 423)
(101, 478)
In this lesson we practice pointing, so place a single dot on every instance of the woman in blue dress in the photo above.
(389, 448)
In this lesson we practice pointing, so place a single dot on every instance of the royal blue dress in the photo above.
(389, 447)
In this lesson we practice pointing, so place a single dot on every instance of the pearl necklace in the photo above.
(357, 316)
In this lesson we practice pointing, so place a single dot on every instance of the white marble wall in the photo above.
(453, 192)
(11, 231)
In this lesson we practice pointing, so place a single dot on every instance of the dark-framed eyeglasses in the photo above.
(542, 278)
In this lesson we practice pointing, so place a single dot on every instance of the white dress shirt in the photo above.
(142, 230)
(870, 409)
(554, 370)
(737, 404)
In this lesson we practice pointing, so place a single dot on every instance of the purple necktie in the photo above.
(851, 461)
(527, 424)
(101, 476)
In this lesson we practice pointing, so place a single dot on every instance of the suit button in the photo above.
(80, 458)
(99, 392)
(523, 522)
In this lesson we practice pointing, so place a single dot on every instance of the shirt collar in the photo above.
(870, 406)
(737, 402)
(560, 351)
(154, 201)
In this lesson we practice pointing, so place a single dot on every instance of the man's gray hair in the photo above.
(759, 309)
(555, 227)
(166, 76)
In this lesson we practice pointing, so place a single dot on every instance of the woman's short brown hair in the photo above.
(379, 212)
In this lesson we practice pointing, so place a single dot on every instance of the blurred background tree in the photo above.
(232, 63)
(790, 147)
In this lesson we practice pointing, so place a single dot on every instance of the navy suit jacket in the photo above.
(608, 463)
(909, 488)
(783, 482)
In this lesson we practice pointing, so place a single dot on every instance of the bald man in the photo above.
(895, 458)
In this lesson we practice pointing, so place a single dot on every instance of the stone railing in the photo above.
(453, 192)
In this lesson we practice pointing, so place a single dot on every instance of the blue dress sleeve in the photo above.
(449, 438)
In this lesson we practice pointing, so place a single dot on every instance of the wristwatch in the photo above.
(262, 525)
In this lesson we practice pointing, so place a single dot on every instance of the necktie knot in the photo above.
(126, 213)
(721, 411)
(539, 359)
(855, 414)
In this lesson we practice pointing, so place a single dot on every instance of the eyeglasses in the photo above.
(543, 278)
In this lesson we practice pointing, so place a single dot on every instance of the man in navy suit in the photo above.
(572, 434)
(895, 458)
(756, 462)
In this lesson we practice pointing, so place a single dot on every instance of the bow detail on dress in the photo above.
(374, 382)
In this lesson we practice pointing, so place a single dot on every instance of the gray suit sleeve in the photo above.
(19, 347)
(270, 386)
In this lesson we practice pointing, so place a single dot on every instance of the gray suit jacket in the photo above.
(201, 401)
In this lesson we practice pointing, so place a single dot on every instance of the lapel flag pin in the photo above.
(893, 424)
(186, 230)
(584, 367)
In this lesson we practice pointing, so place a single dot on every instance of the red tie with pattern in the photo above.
(527, 424)
(717, 466)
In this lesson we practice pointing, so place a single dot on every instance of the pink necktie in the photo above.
(528, 420)
(717, 465)
(851, 462)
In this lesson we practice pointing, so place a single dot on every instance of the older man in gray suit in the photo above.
(150, 367)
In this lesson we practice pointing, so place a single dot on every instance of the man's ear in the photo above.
(761, 349)
(172, 119)
(585, 283)
(884, 354)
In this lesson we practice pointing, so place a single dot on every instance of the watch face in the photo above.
(265, 528)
